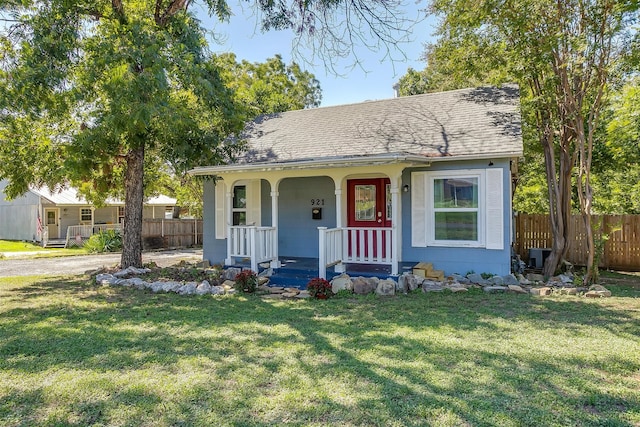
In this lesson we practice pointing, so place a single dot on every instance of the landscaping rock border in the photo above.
(533, 284)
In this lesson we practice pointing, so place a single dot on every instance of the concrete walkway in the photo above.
(79, 264)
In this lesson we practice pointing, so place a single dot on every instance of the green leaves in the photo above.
(84, 83)
(268, 87)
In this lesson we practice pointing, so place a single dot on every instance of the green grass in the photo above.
(16, 246)
(72, 353)
(39, 251)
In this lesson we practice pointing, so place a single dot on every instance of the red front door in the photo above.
(369, 202)
(369, 206)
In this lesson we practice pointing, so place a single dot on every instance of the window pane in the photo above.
(455, 193)
(239, 218)
(51, 217)
(365, 202)
(456, 226)
(85, 214)
(240, 197)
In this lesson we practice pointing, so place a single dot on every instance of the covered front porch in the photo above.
(337, 248)
(76, 235)
(336, 215)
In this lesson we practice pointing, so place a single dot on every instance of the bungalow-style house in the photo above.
(45, 216)
(391, 182)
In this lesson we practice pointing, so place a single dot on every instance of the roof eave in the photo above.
(344, 162)
(323, 163)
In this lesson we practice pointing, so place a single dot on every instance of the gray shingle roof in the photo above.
(469, 122)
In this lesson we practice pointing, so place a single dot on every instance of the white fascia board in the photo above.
(344, 162)
(324, 163)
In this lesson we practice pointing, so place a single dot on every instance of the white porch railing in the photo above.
(76, 234)
(256, 243)
(358, 245)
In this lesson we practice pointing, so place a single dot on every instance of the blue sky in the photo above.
(372, 79)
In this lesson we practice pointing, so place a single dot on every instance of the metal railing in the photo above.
(259, 244)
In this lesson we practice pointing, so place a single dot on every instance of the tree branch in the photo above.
(118, 10)
(172, 9)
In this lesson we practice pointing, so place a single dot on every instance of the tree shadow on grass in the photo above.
(415, 360)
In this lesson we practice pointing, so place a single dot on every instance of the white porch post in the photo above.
(396, 223)
(253, 253)
(274, 221)
(229, 260)
(322, 259)
(338, 193)
(340, 267)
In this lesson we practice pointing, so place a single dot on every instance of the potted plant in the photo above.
(319, 288)
(246, 281)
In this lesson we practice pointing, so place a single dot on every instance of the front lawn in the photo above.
(18, 246)
(72, 353)
(36, 251)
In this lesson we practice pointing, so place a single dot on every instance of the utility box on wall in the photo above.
(316, 213)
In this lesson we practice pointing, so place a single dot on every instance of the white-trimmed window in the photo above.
(86, 214)
(239, 208)
(457, 208)
(120, 214)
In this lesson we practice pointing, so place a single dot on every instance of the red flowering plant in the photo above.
(319, 288)
(246, 281)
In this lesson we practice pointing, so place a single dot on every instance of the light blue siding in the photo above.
(460, 260)
(298, 232)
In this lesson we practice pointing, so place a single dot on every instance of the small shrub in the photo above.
(104, 241)
(246, 281)
(486, 276)
(319, 288)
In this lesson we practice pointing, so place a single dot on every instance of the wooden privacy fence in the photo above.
(173, 232)
(621, 250)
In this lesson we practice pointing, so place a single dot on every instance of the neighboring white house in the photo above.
(54, 213)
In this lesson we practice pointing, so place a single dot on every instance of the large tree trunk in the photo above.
(133, 199)
(585, 196)
(559, 185)
(558, 178)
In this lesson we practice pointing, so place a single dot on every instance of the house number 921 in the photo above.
(317, 202)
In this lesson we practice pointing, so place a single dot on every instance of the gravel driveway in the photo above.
(80, 264)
